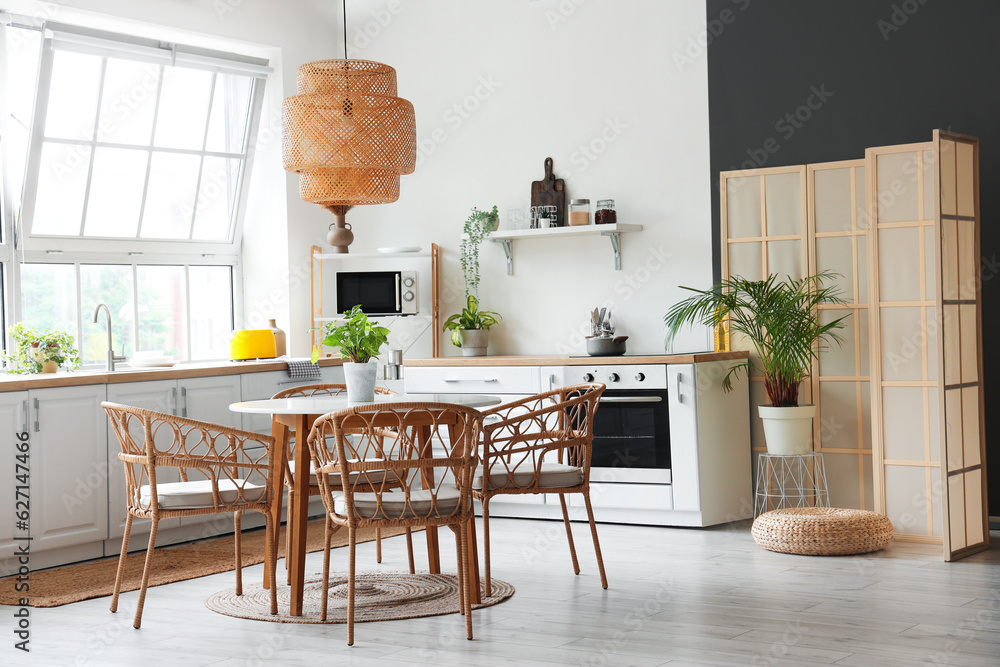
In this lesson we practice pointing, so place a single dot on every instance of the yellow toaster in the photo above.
(252, 344)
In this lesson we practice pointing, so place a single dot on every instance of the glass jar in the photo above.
(579, 212)
(605, 214)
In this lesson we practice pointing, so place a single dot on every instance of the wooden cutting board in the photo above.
(550, 191)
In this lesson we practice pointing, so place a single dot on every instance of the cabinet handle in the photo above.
(471, 380)
(680, 397)
(37, 428)
(184, 395)
(173, 408)
(24, 409)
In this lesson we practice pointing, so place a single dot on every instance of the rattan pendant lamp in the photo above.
(348, 136)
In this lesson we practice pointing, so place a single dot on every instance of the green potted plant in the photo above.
(359, 340)
(470, 328)
(40, 351)
(779, 318)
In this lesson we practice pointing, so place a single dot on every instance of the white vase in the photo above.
(360, 380)
(474, 342)
(787, 431)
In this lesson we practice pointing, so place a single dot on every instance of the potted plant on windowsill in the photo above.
(470, 329)
(359, 340)
(781, 321)
(40, 351)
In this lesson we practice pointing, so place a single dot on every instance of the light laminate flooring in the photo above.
(677, 597)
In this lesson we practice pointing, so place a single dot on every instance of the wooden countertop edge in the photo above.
(565, 360)
(69, 379)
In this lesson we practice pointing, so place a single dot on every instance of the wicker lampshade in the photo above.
(347, 134)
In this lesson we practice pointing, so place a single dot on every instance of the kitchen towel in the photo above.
(303, 368)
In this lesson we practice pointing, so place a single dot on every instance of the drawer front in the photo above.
(625, 496)
(474, 380)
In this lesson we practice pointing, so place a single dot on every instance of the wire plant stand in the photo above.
(790, 481)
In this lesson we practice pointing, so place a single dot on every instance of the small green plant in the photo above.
(469, 319)
(779, 318)
(358, 338)
(32, 348)
(477, 226)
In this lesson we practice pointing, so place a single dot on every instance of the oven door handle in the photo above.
(630, 399)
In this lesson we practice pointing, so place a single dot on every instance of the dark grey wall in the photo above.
(875, 72)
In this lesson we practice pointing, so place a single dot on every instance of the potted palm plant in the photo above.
(779, 318)
(359, 340)
(470, 329)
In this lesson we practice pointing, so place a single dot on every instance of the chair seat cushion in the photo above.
(551, 476)
(197, 494)
(370, 476)
(394, 505)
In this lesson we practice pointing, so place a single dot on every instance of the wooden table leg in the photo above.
(427, 478)
(298, 514)
(473, 552)
(280, 433)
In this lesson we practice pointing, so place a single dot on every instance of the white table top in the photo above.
(320, 405)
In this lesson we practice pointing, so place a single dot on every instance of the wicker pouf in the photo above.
(821, 531)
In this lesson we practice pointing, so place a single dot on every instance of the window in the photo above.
(132, 160)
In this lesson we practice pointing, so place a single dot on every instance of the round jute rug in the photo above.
(379, 596)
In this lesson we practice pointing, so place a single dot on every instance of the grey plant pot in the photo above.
(360, 380)
(474, 342)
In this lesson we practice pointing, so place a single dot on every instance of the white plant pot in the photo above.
(474, 342)
(787, 431)
(360, 380)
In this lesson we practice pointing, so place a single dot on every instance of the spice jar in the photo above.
(579, 212)
(605, 214)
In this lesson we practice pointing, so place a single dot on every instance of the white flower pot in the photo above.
(787, 431)
(474, 342)
(360, 380)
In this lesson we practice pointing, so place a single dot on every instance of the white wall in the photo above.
(500, 86)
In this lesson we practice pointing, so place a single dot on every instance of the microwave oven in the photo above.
(379, 293)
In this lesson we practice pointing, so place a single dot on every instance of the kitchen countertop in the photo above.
(566, 360)
(9, 382)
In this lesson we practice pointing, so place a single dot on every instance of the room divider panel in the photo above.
(913, 291)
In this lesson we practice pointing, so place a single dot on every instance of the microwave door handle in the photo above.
(399, 304)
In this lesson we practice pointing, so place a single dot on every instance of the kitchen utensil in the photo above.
(609, 326)
(550, 191)
(593, 323)
(600, 318)
(252, 344)
(606, 346)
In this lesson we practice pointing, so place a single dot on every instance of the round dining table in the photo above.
(297, 415)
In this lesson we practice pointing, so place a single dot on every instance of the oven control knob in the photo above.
(408, 281)
(407, 296)
(613, 377)
(639, 377)
(588, 377)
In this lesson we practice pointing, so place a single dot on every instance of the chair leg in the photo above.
(378, 545)
(269, 534)
(569, 534)
(597, 544)
(486, 546)
(145, 574)
(461, 570)
(288, 536)
(327, 533)
(409, 550)
(350, 586)
(237, 521)
(465, 600)
(121, 563)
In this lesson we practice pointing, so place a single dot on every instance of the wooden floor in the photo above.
(677, 596)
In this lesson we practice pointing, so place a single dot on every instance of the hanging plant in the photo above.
(477, 226)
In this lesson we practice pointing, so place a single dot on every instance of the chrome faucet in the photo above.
(112, 357)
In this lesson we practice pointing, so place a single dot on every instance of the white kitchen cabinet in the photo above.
(260, 386)
(69, 466)
(13, 421)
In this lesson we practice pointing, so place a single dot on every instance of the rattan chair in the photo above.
(308, 390)
(222, 470)
(540, 444)
(408, 487)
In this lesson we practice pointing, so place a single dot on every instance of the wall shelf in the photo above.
(368, 255)
(613, 232)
